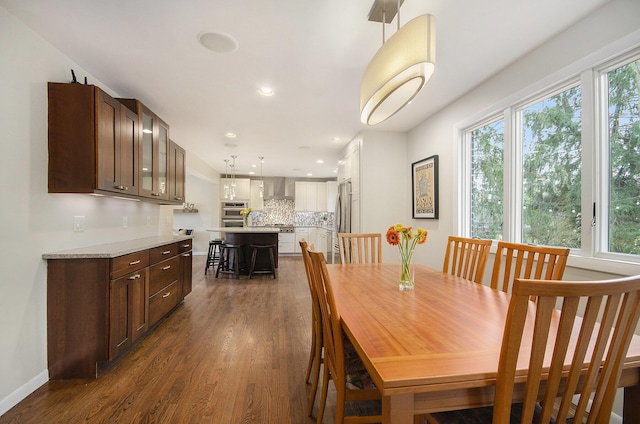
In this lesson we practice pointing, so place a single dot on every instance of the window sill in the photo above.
(607, 265)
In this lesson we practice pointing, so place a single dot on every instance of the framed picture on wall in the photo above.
(424, 185)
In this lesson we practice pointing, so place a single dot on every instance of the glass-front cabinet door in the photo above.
(146, 155)
(154, 145)
(163, 159)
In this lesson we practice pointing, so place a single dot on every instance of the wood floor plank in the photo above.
(235, 351)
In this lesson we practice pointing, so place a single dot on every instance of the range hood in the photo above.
(279, 188)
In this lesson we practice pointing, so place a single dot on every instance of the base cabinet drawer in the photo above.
(163, 274)
(163, 301)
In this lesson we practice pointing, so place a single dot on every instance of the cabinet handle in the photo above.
(164, 296)
(119, 187)
(185, 245)
(134, 262)
(166, 267)
(166, 252)
(155, 194)
(134, 277)
(177, 198)
(187, 255)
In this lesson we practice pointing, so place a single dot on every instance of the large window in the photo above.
(487, 176)
(551, 143)
(624, 158)
(546, 176)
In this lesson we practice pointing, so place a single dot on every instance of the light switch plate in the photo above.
(78, 224)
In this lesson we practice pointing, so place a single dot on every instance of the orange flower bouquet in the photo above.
(406, 240)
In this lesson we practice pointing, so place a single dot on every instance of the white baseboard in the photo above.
(23, 391)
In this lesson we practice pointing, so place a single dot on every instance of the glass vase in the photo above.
(406, 273)
(245, 221)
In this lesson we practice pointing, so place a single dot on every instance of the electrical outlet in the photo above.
(125, 222)
(78, 224)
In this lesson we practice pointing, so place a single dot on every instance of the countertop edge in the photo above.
(113, 250)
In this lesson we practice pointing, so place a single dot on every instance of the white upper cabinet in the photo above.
(310, 196)
(243, 188)
(332, 195)
(256, 202)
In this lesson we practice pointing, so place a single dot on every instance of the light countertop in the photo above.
(244, 229)
(113, 250)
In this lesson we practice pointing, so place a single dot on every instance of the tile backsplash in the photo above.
(283, 212)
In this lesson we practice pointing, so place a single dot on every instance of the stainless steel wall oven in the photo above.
(230, 213)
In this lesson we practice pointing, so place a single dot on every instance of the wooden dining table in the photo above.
(436, 348)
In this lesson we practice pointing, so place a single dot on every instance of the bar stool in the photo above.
(254, 253)
(214, 254)
(231, 254)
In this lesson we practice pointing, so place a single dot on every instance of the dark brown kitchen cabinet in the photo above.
(93, 142)
(176, 177)
(98, 144)
(154, 152)
(129, 313)
(164, 288)
(99, 307)
(186, 266)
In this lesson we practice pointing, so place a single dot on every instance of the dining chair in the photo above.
(315, 354)
(360, 248)
(466, 257)
(341, 364)
(584, 356)
(527, 261)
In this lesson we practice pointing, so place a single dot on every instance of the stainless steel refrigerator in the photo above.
(343, 208)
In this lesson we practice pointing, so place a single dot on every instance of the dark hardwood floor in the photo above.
(232, 352)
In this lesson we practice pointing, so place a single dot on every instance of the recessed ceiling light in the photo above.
(309, 174)
(219, 42)
(254, 166)
(230, 134)
(266, 91)
(232, 145)
(335, 171)
(319, 161)
(252, 173)
(336, 139)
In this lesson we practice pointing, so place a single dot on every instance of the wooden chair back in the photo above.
(360, 248)
(330, 318)
(315, 354)
(527, 261)
(334, 355)
(599, 348)
(466, 257)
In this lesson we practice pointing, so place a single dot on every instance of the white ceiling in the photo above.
(311, 52)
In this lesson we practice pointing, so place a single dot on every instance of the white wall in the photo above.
(203, 185)
(384, 184)
(34, 222)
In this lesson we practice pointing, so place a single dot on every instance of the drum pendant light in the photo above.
(399, 69)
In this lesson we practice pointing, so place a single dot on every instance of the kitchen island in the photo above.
(247, 236)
